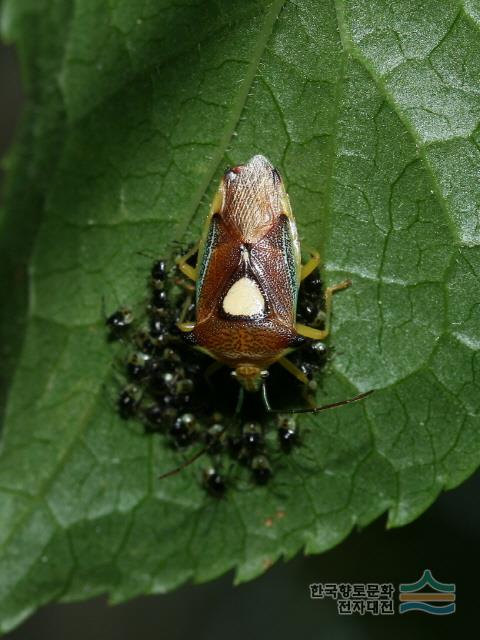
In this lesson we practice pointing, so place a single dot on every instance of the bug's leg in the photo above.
(187, 286)
(186, 327)
(238, 408)
(299, 375)
(295, 371)
(187, 303)
(185, 268)
(310, 332)
(310, 265)
(321, 334)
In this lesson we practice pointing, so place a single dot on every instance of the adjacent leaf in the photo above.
(371, 111)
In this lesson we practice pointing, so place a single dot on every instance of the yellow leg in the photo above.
(186, 306)
(185, 268)
(310, 266)
(188, 286)
(310, 332)
(295, 371)
(321, 334)
(186, 327)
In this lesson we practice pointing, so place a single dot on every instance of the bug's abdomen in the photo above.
(243, 341)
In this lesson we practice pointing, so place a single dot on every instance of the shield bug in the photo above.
(247, 278)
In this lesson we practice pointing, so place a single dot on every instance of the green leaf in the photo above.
(371, 111)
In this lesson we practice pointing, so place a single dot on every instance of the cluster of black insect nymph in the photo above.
(168, 387)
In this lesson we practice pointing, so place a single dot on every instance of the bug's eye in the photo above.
(232, 172)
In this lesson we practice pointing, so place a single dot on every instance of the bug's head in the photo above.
(250, 376)
(257, 170)
(253, 197)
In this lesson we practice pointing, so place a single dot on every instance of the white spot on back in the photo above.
(244, 298)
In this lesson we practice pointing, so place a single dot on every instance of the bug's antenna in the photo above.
(188, 462)
(324, 407)
(191, 460)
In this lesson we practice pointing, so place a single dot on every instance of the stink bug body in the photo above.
(248, 274)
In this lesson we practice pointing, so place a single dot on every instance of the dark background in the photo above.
(277, 605)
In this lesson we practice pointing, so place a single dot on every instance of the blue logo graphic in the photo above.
(413, 599)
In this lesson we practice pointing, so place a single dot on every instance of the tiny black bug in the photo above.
(214, 483)
(287, 434)
(154, 414)
(261, 469)
(128, 401)
(183, 430)
(159, 298)
(159, 270)
(215, 438)
(252, 436)
(119, 321)
(137, 366)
